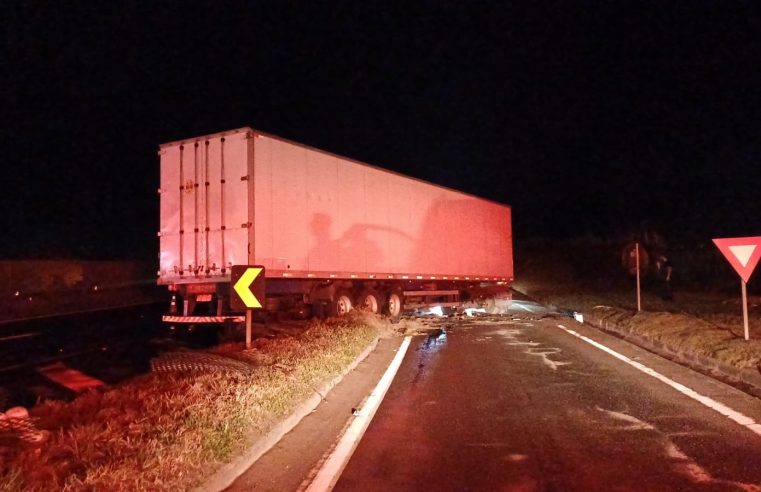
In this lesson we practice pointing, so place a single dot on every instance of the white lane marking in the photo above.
(331, 469)
(709, 402)
(678, 459)
(17, 337)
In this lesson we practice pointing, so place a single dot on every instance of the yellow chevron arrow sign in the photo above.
(243, 277)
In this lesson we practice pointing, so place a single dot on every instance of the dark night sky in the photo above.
(587, 117)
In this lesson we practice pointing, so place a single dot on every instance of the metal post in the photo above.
(248, 328)
(745, 308)
(639, 295)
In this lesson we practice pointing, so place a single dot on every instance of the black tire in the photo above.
(490, 305)
(371, 301)
(394, 305)
(342, 303)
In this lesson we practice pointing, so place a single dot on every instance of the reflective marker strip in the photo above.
(202, 319)
(331, 469)
(709, 402)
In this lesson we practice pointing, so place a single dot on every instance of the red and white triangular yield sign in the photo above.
(743, 253)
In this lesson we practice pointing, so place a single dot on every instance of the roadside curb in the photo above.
(745, 379)
(228, 473)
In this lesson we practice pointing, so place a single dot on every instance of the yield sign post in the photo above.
(743, 254)
(247, 283)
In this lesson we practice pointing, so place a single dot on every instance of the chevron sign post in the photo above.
(247, 286)
(743, 254)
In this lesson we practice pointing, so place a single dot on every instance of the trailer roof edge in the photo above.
(317, 149)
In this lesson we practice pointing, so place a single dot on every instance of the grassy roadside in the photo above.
(695, 322)
(684, 334)
(170, 430)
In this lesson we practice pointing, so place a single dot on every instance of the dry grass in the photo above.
(686, 334)
(704, 322)
(169, 431)
(700, 323)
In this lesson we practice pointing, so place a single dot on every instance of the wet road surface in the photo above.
(519, 404)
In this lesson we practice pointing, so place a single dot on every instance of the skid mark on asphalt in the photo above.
(582, 374)
(545, 355)
(688, 467)
(508, 333)
(535, 349)
(634, 422)
(680, 461)
(518, 343)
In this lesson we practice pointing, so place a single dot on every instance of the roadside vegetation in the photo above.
(704, 316)
(170, 429)
(683, 334)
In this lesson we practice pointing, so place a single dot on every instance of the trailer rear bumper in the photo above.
(202, 319)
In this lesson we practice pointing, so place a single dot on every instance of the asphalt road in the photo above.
(520, 404)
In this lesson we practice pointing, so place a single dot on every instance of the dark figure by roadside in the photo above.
(664, 268)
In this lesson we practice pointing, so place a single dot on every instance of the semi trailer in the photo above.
(333, 234)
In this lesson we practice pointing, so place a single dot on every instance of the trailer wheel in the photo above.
(342, 303)
(490, 305)
(395, 305)
(370, 300)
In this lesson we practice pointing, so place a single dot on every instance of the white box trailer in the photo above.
(329, 230)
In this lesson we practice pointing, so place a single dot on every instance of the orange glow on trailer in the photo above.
(352, 232)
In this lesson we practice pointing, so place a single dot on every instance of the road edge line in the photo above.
(229, 472)
(331, 469)
(714, 405)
